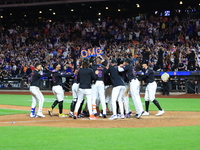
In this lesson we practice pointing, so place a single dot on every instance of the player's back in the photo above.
(85, 77)
(35, 78)
(57, 78)
(101, 70)
(116, 79)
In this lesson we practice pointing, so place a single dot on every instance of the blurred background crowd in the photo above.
(170, 44)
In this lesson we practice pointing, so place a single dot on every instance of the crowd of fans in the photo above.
(172, 44)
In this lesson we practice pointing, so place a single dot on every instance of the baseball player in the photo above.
(134, 86)
(108, 93)
(118, 89)
(108, 90)
(126, 101)
(85, 77)
(99, 87)
(57, 89)
(75, 88)
(35, 90)
(148, 77)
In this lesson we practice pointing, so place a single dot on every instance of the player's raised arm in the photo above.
(47, 74)
(67, 75)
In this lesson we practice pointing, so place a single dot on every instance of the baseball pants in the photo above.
(58, 92)
(75, 87)
(108, 93)
(99, 91)
(93, 100)
(81, 94)
(126, 99)
(135, 94)
(117, 95)
(37, 96)
(150, 91)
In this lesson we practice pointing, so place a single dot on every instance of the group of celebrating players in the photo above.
(102, 82)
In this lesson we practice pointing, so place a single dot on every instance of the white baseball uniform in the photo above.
(37, 96)
(126, 99)
(117, 95)
(81, 94)
(134, 87)
(150, 91)
(135, 94)
(58, 92)
(75, 87)
(98, 90)
(108, 94)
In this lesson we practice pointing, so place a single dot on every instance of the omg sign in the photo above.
(91, 52)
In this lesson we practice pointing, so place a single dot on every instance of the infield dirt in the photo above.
(170, 118)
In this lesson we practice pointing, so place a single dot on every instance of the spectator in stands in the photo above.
(9, 85)
(1, 76)
(159, 65)
(26, 85)
(54, 41)
(181, 66)
(145, 54)
(176, 59)
(191, 60)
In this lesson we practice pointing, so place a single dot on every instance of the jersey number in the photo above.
(100, 74)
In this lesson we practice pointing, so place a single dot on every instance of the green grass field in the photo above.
(43, 138)
(11, 112)
(168, 104)
(47, 138)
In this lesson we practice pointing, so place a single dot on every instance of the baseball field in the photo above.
(177, 129)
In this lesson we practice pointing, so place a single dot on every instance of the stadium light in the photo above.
(181, 3)
(1, 16)
(54, 13)
(199, 4)
(40, 11)
(24, 15)
(90, 6)
(106, 7)
(99, 14)
(10, 14)
(119, 9)
(138, 6)
(50, 9)
(72, 9)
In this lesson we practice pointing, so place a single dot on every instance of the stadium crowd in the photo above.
(172, 44)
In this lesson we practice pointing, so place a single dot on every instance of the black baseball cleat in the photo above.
(50, 112)
(71, 115)
(104, 116)
(80, 116)
(135, 116)
(75, 117)
(140, 114)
